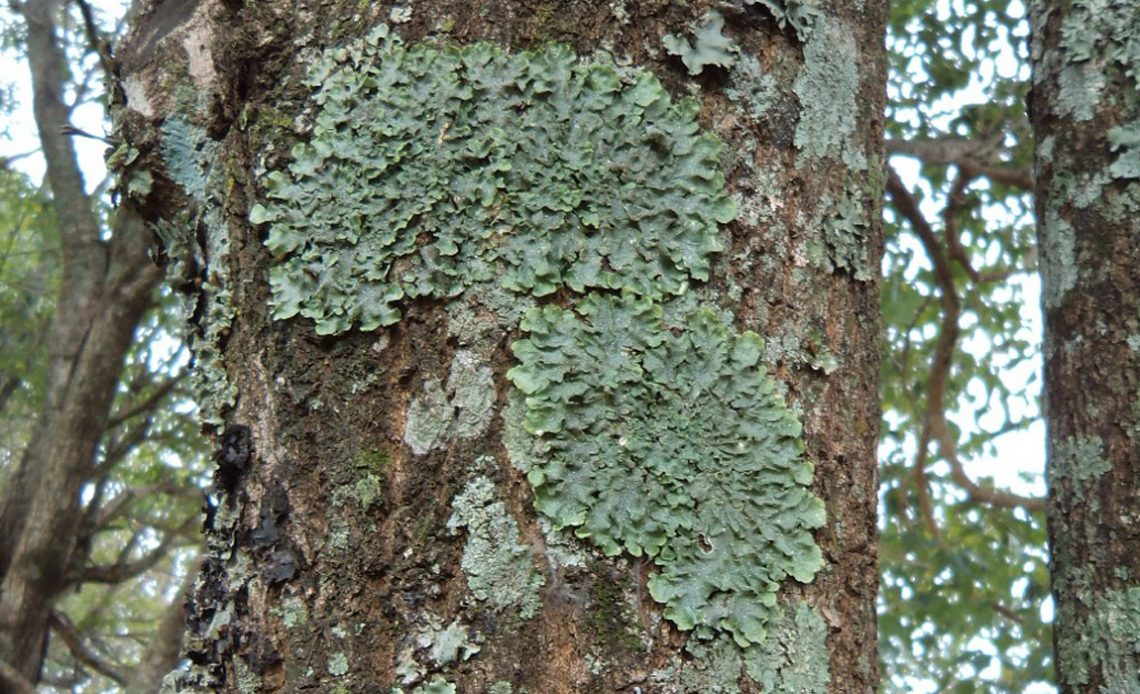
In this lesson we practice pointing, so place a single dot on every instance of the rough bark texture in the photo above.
(1086, 112)
(371, 531)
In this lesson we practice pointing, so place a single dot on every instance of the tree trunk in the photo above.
(520, 374)
(106, 285)
(1086, 112)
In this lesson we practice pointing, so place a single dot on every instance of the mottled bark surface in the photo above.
(1086, 112)
(362, 479)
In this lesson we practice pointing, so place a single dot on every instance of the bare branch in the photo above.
(973, 156)
(122, 571)
(936, 425)
(63, 627)
(147, 405)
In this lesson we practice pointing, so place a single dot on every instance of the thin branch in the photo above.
(147, 404)
(1007, 613)
(97, 41)
(63, 627)
(122, 571)
(942, 359)
(955, 201)
(973, 156)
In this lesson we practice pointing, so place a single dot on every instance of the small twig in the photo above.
(147, 404)
(972, 156)
(72, 131)
(63, 627)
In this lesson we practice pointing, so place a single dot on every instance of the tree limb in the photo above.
(942, 360)
(63, 627)
(972, 156)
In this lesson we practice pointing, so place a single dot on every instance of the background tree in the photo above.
(96, 464)
(1086, 118)
(425, 269)
(963, 556)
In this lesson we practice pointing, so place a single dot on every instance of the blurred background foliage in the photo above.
(142, 502)
(964, 601)
(964, 604)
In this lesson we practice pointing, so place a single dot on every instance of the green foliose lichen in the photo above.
(827, 88)
(429, 168)
(498, 565)
(191, 160)
(707, 47)
(669, 440)
(800, 14)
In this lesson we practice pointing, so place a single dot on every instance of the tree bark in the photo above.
(1085, 110)
(391, 474)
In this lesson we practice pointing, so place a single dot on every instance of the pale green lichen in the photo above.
(708, 46)
(1079, 462)
(462, 411)
(438, 685)
(794, 658)
(430, 168)
(501, 688)
(1107, 641)
(446, 645)
(1058, 258)
(846, 234)
(367, 490)
(429, 418)
(800, 14)
(191, 160)
(471, 383)
(1097, 37)
(827, 88)
(294, 612)
(338, 664)
(499, 567)
(751, 87)
(1080, 86)
(669, 440)
(478, 318)
(1125, 140)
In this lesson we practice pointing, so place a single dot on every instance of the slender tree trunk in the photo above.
(520, 376)
(106, 286)
(1086, 112)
